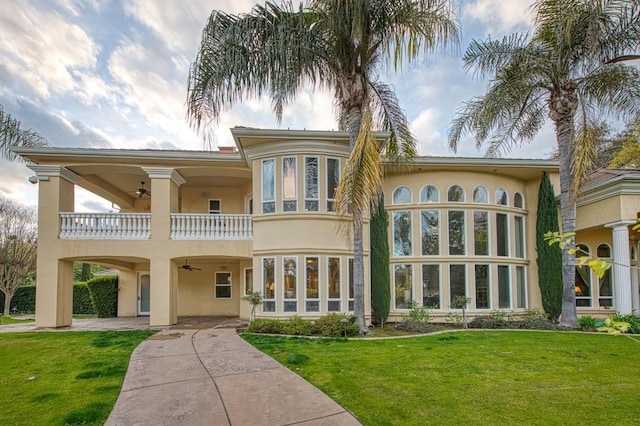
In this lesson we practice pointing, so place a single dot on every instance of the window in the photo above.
(583, 280)
(430, 228)
(502, 234)
(290, 283)
(481, 233)
(403, 288)
(521, 288)
(333, 179)
(268, 186)
(289, 190)
(214, 207)
(402, 233)
(480, 195)
(518, 200)
(457, 282)
(482, 286)
(311, 202)
(351, 297)
(603, 251)
(504, 287)
(223, 285)
(333, 285)
(456, 233)
(605, 288)
(431, 286)
(268, 284)
(311, 290)
(519, 237)
(402, 195)
(248, 281)
(455, 194)
(429, 194)
(501, 197)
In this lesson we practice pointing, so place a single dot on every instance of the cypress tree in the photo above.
(549, 257)
(380, 276)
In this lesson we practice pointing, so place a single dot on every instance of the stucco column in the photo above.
(54, 288)
(165, 184)
(621, 266)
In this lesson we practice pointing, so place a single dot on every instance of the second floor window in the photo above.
(333, 179)
(289, 199)
(311, 184)
(268, 186)
(214, 207)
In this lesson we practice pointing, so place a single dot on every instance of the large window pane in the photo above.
(268, 186)
(519, 225)
(429, 194)
(351, 284)
(481, 233)
(248, 281)
(333, 285)
(502, 234)
(480, 195)
(402, 234)
(311, 184)
(403, 288)
(333, 179)
(606, 290)
(268, 284)
(502, 197)
(312, 289)
(457, 282)
(431, 286)
(402, 195)
(290, 282)
(521, 288)
(289, 201)
(583, 280)
(456, 232)
(430, 228)
(455, 194)
(504, 287)
(482, 286)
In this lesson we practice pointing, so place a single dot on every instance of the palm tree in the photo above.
(335, 44)
(571, 69)
(12, 136)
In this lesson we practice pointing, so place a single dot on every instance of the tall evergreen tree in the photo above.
(380, 276)
(549, 256)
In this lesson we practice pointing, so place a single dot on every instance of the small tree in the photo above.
(461, 302)
(255, 298)
(380, 277)
(18, 238)
(549, 256)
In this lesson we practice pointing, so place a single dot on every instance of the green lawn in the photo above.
(63, 377)
(9, 320)
(474, 378)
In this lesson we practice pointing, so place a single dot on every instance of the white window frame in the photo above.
(264, 199)
(293, 200)
(307, 198)
(330, 299)
(217, 285)
(215, 211)
(306, 278)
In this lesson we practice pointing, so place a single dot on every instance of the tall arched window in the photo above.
(583, 280)
(480, 195)
(429, 194)
(455, 194)
(603, 250)
(501, 197)
(402, 195)
(518, 200)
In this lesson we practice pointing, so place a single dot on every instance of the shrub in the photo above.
(104, 295)
(330, 325)
(587, 322)
(82, 300)
(489, 322)
(265, 325)
(417, 320)
(296, 326)
(23, 301)
(632, 319)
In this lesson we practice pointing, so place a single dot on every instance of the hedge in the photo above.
(25, 300)
(104, 295)
(82, 300)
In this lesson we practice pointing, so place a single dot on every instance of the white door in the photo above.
(144, 285)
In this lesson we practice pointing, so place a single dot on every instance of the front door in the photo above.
(144, 285)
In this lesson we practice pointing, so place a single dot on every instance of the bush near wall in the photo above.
(104, 295)
(82, 300)
(24, 299)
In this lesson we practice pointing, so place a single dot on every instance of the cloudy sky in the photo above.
(113, 73)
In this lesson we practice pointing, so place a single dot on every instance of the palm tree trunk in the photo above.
(568, 198)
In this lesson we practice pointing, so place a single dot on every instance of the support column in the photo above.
(54, 289)
(165, 184)
(621, 266)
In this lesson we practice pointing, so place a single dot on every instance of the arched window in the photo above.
(583, 280)
(518, 200)
(402, 195)
(603, 251)
(480, 195)
(429, 194)
(455, 194)
(502, 197)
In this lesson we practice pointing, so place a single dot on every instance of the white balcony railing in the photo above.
(105, 226)
(211, 226)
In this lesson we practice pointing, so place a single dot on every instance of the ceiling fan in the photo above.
(188, 267)
(142, 191)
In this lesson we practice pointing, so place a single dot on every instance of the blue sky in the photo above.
(112, 74)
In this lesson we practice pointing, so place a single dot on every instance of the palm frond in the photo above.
(614, 89)
(12, 136)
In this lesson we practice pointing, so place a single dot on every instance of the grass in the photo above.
(63, 378)
(478, 378)
(9, 320)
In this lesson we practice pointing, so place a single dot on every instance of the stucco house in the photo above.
(192, 232)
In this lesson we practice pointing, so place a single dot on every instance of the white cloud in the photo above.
(500, 17)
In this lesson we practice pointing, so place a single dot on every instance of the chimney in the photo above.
(227, 149)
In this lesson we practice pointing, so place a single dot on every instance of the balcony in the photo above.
(137, 226)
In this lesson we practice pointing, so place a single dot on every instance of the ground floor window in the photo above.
(504, 287)
(457, 282)
(402, 279)
(605, 288)
(333, 285)
(290, 283)
(223, 285)
(431, 286)
(312, 289)
(482, 286)
(521, 288)
(268, 284)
